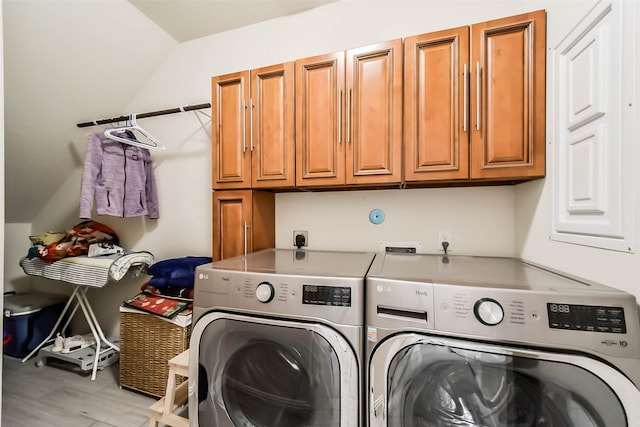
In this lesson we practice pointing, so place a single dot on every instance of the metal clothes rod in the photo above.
(144, 115)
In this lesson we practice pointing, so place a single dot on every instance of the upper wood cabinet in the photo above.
(253, 136)
(465, 103)
(319, 121)
(436, 106)
(474, 104)
(349, 117)
(508, 78)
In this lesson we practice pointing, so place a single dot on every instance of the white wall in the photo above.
(484, 220)
(17, 235)
(534, 224)
(480, 219)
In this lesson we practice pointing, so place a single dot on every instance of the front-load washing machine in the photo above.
(278, 340)
(486, 341)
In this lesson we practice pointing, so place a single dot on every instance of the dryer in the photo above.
(469, 341)
(278, 340)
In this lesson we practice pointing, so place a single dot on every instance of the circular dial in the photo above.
(488, 311)
(265, 292)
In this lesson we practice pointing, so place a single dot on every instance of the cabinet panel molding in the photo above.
(319, 128)
(586, 172)
(231, 168)
(436, 101)
(508, 66)
(587, 67)
(272, 127)
(374, 113)
(231, 214)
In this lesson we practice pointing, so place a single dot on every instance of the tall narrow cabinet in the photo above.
(253, 148)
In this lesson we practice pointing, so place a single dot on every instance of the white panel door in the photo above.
(593, 146)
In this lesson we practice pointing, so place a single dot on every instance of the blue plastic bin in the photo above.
(28, 319)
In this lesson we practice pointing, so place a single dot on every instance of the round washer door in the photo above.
(258, 372)
(419, 380)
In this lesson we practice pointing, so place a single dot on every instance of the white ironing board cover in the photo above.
(88, 271)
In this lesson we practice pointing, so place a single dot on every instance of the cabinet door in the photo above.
(508, 61)
(231, 220)
(319, 97)
(243, 222)
(436, 106)
(231, 154)
(374, 114)
(272, 127)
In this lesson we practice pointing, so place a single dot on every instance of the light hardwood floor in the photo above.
(52, 396)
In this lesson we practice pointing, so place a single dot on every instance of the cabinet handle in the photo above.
(348, 113)
(246, 226)
(339, 114)
(251, 123)
(478, 95)
(244, 127)
(464, 98)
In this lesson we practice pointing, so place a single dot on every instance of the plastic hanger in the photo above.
(126, 134)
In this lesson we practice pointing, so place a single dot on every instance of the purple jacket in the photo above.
(121, 177)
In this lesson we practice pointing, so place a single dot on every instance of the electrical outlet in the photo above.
(444, 236)
(305, 236)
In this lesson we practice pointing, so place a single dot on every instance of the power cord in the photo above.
(445, 258)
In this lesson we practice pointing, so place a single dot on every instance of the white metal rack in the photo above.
(83, 273)
(103, 351)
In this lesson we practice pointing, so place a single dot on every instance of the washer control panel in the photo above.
(326, 295)
(588, 318)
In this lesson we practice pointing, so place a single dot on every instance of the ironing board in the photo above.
(83, 273)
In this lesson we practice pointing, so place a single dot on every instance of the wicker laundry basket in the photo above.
(147, 342)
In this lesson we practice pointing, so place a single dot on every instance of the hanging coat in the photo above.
(121, 179)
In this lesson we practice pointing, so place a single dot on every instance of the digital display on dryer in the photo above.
(588, 318)
(337, 296)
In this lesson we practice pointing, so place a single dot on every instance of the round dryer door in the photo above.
(258, 372)
(437, 383)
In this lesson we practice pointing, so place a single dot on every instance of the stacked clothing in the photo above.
(170, 289)
(53, 246)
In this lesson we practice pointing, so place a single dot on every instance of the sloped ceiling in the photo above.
(66, 61)
(190, 19)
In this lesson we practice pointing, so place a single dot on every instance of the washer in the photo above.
(278, 340)
(470, 341)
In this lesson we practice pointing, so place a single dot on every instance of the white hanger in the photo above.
(117, 133)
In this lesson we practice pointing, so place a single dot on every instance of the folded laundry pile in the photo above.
(89, 237)
(170, 289)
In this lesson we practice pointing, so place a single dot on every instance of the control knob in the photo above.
(265, 292)
(488, 311)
